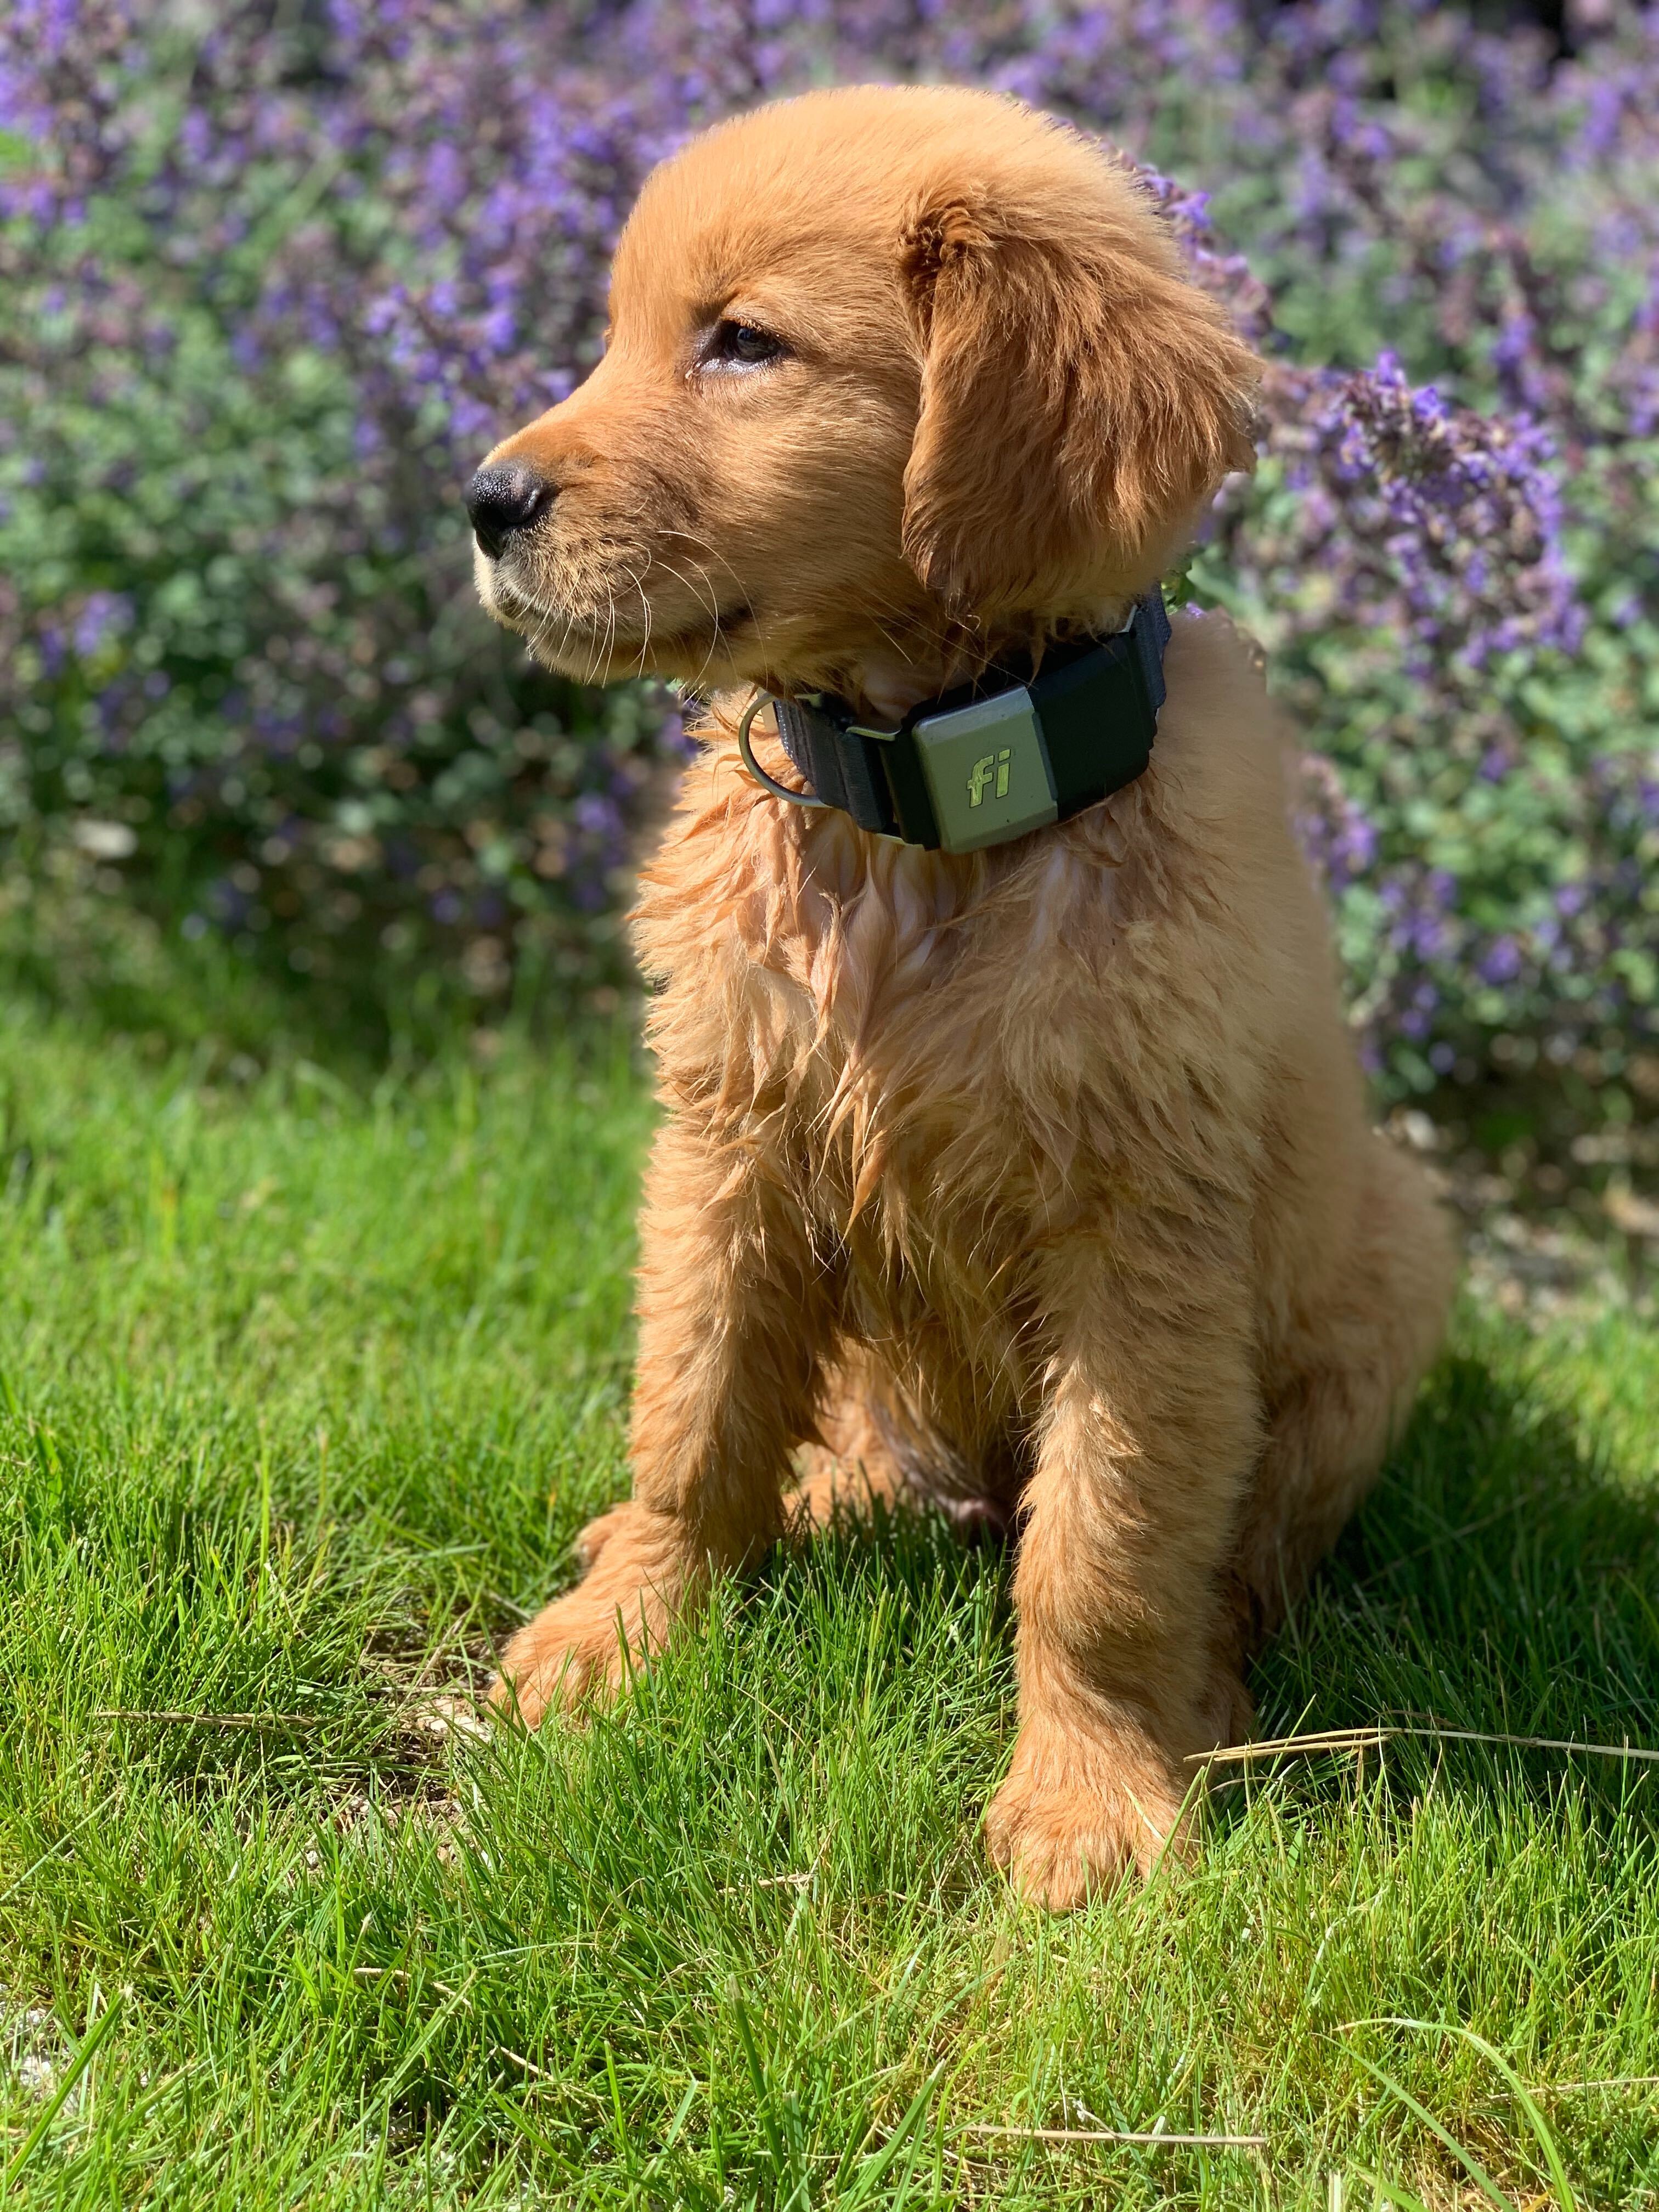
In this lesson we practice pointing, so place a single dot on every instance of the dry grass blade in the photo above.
(1373, 1739)
(1597, 2081)
(1153, 2139)
(209, 1720)
(535, 2072)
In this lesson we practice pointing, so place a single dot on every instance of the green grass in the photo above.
(292, 1372)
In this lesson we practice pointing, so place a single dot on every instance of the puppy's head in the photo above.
(890, 374)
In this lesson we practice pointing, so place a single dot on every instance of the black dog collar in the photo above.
(963, 772)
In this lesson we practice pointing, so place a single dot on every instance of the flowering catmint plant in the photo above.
(276, 277)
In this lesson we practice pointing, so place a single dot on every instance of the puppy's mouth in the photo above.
(603, 645)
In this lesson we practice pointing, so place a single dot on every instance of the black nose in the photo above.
(503, 500)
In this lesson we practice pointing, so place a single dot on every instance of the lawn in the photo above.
(308, 1380)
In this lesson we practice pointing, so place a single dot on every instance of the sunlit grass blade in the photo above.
(1560, 2183)
(1466, 2158)
(85, 2053)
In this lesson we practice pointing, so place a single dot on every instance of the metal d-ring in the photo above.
(768, 783)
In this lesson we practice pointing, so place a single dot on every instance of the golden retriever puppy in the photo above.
(1025, 1163)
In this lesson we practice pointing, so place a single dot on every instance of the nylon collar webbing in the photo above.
(967, 771)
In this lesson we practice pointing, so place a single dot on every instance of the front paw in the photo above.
(1078, 1812)
(591, 1641)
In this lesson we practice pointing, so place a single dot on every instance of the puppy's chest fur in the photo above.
(959, 1070)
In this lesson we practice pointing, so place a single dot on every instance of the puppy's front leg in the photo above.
(735, 1311)
(1150, 1431)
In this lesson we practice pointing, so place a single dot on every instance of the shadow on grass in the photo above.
(1499, 1580)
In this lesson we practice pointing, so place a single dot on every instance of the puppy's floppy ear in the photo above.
(1080, 396)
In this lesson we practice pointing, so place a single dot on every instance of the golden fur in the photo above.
(1040, 1181)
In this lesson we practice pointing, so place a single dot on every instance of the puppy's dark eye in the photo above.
(741, 345)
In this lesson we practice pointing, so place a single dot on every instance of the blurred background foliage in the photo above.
(276, 274)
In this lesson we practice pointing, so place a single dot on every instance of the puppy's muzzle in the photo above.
(501, 502)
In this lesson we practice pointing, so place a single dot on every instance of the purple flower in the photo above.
(1501, 963)
(101, 614)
